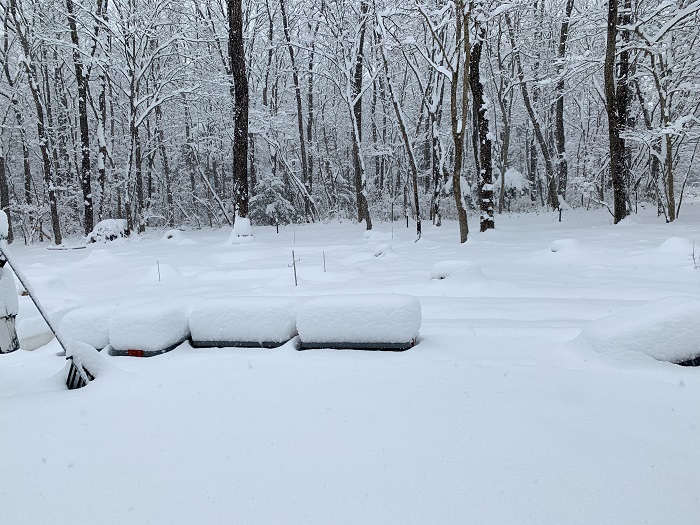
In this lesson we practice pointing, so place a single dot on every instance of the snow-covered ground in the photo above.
(504, 412)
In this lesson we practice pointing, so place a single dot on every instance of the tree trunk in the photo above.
(485, 176)
(356, 117)
(239, 91)
(300, 115)
(616, 144)
(82, 82)
(404, 133)
(32, 80)
(459, 117)
(537, 128)
(562, 164)
(5, 199)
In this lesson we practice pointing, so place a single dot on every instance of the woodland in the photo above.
(178, 113)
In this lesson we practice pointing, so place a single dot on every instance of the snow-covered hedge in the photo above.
(243, 321)
(663, 329)
(151, 328)
(108, 230)
(361, 320)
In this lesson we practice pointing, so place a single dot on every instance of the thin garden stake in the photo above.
(158, 264)
(294, 265)
(324, 262)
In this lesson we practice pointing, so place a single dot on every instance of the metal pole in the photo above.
(23, 280)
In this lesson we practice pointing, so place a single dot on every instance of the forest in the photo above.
(177, 113)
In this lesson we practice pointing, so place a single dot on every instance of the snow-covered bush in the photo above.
(108, 230)
(516, 187)
(270, 204)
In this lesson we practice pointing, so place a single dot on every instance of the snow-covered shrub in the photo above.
(517, 187)
(108, 230)
(270, 204)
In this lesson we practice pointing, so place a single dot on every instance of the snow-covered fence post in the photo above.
(9, 305)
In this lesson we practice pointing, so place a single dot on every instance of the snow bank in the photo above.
(108, 230)
(152, 328)
(243, 321)
(457, 269)
(663, 329)
(89, 325)
(381, 318)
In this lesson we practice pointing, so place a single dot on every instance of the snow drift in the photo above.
(664, 329)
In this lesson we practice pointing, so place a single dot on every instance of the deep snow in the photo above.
(498, 415)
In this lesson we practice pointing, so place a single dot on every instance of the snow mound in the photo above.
(108, 230)
(161, 272)
(151, 328)
(242, 232)
(676, 245)
(33, 333)
(98, 256)
(375, 235)
(456, 269)
(381, 318)
(664, 329)
(244, 320)
(85, 355)
(565, 245)
(88, 325)
(384, 250)
(172, 235)
(45, 286)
